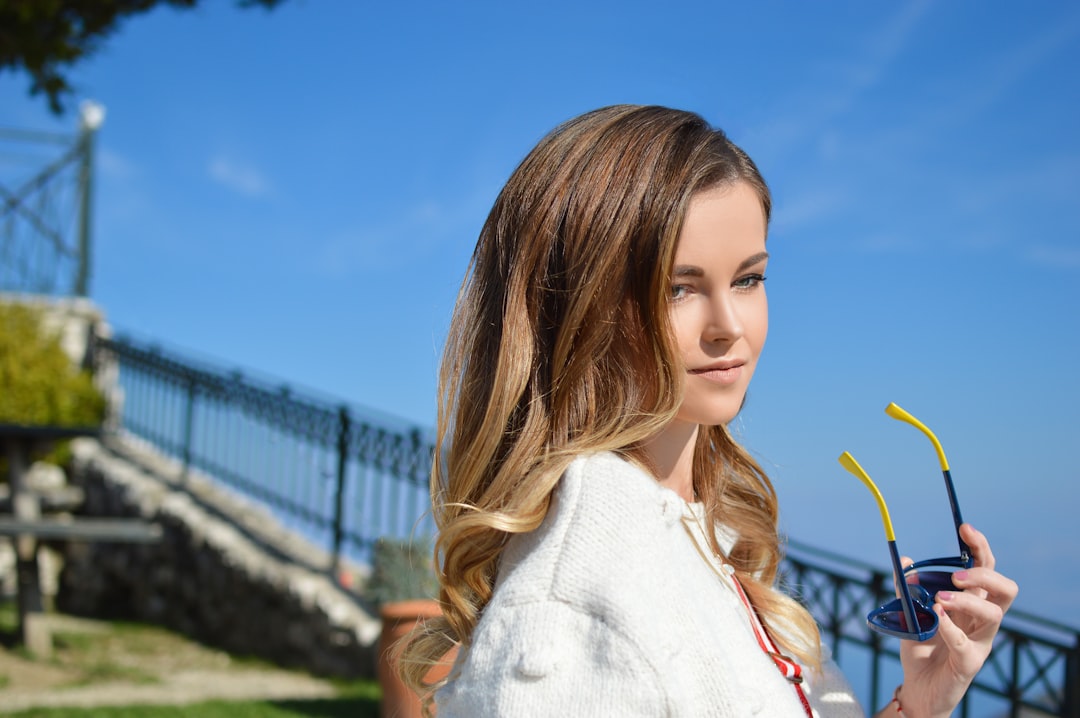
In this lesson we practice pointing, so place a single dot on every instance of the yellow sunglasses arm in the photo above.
(848, 462)
(896, 412)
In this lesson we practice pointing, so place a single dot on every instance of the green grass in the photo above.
(9, 617)
(359, 699)
(103, 670)
(93, 657)
(346, 707)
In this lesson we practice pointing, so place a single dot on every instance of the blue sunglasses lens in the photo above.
(931, 579)
(891, 620)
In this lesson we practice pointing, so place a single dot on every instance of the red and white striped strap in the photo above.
(791, 670)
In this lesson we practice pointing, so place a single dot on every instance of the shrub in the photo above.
(401, 570)
(38, 382)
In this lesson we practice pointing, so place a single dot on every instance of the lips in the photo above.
(724, 372)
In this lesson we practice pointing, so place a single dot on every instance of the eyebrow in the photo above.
(689, 270)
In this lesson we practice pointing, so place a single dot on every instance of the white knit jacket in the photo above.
(610, 609)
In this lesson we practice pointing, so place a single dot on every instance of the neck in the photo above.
(671, 453)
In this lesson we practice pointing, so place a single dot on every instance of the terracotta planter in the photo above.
(398, 618)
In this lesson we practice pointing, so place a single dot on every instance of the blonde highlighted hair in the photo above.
(560, 344)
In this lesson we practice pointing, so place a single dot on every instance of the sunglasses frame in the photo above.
(914, 599)
(905, 603)
(965, 559)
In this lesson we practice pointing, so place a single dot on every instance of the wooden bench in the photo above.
(27, 526)
(64, 528)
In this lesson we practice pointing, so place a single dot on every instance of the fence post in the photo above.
(1015, 694)
(189, 427)
(344, 426)
(875, 666)
(1072, 682)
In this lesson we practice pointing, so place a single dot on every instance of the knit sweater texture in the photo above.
(612, 608)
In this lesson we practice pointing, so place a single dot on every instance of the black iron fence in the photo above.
(1034, 669)
(46, 187)
(348, 477)
(339, 475)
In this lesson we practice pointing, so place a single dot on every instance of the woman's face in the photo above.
(718, 307)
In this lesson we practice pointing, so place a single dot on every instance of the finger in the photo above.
(999, 590)
(980, 547)
(966, 660)
(982, 617)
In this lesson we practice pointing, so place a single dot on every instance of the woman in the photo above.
(606, 547)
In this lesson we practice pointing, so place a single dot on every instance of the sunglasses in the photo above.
(910, 615)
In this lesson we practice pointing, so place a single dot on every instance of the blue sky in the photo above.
(298, 192)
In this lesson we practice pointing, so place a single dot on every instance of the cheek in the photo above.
(683, 326)
(758, 323)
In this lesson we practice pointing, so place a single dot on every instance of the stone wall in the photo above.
(226, 573)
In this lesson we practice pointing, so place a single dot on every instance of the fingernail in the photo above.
(945, 595)
(962, 575)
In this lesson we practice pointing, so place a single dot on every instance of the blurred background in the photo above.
(297, 191)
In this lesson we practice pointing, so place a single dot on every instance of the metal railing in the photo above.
(1034, 668)
(45, 212)
(350, 476)
(337, 474)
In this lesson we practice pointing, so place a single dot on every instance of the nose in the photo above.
(723, 323)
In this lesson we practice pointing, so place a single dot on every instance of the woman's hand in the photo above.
(938, 672)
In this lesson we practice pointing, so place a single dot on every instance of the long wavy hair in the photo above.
(561, 344)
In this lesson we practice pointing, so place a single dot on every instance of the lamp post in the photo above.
(91, 116)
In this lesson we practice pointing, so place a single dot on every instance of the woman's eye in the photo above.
(749, 281)
(679, 291)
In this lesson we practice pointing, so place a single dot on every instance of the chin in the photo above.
(712, 413)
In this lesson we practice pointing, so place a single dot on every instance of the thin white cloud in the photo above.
(115, 165)
(883, 47)
(411, 234)
(817, 111)
(1012, 67)
(971, 93)
(238, 177)
(982, 204)
(807, 208)
(124, 198)
(886, 244)
(1049, 180)
(1055, 257)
